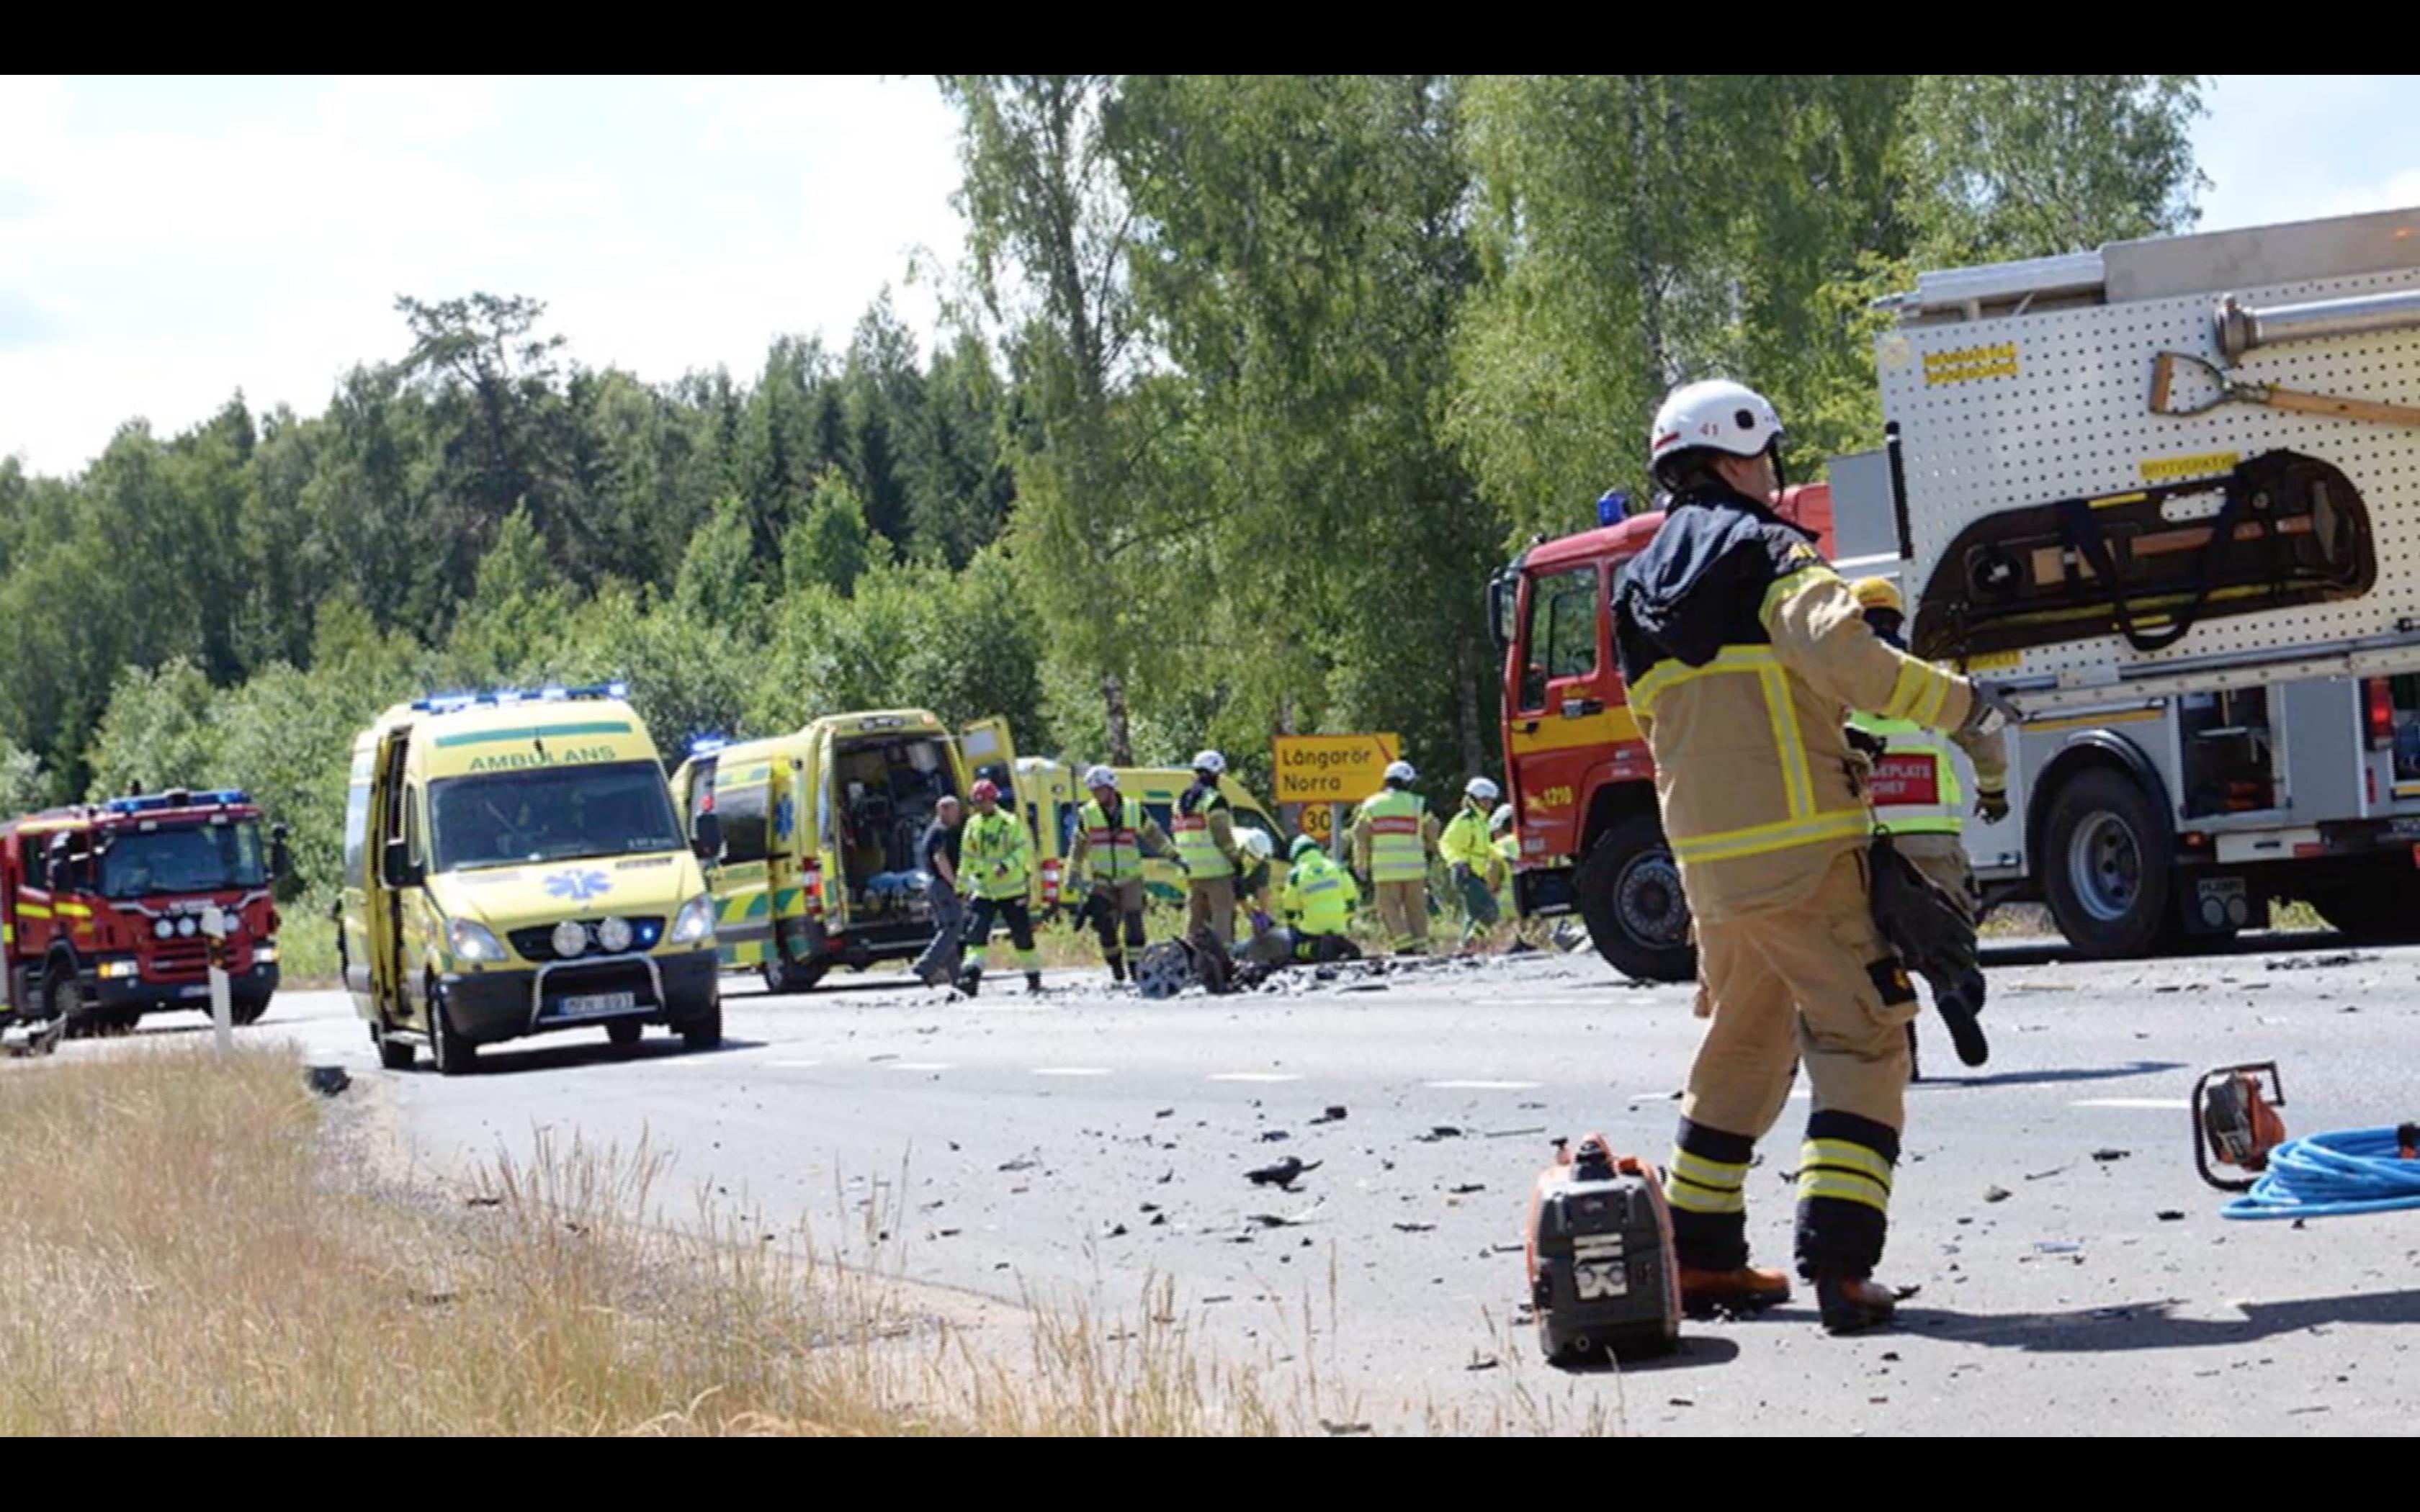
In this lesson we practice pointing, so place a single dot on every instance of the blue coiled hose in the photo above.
(2331, 1175)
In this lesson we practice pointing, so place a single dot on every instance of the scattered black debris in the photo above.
(1165, 1176)
(1509, 1133)
(329, 1080)
(2044, 1176)
(2169, 1216)
(1995, 1194)
(1271, 1136)
(2106, 1155)
(1466, 1188)
(2057, 1246)
(1157, 1219)
(1022, 1163)
(1283, 1173)
(1347, 1430)
(1221, 1297)
(1165, 1113)
(1414, 1228)
(1274, 1220)
(483, 1200)
(1902, 1293)
(1891, 1355)
(1679, 1401)
(1437, 1131)
(1116, 1231)
(1481, 1362)
(1150, 1207)
(2314, 963)
(952, 1233)
(1505, 1249)
(1335, 1113)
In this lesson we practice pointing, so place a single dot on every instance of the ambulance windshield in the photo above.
(189, 858)
(550, 814)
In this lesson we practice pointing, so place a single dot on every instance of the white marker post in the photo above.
(222, 1010)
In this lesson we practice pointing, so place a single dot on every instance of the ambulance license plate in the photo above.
(596, 1004)
(202, 990)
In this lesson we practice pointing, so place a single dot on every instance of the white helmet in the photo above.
(1401, 772)
(1501, 818)
(1100, 777)
(1482, 789)
(1258, 842)
(1210, 761)
(1717, 414)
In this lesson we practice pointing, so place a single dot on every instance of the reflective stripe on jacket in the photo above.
(1398, 847)
(1113, 852)
(995, 858)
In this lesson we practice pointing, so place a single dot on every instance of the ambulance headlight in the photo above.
(473, 942)
(614, 935)
(694, 924)
(166, 929)
(569, 938)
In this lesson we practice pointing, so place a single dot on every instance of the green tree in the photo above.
(1051, 235)
(157, 734)
(720, 574)
(832, 545)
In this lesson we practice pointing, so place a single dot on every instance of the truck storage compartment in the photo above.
(884, 790)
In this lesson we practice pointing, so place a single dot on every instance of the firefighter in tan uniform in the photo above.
(1743, 653)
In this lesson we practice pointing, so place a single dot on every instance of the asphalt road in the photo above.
(1077, 1146)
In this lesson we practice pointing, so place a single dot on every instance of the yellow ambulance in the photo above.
(811, 837)
(513, 864)
(1053, 802)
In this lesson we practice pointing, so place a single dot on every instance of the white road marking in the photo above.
(1071, 1071)
(920, 1065)
(2166, 1105)
(795, 1065)
(1255, 1076)
(1483, 1087)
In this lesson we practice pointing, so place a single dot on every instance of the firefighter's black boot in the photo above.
(971, 980)
(1034, 981)
(1853, 1305)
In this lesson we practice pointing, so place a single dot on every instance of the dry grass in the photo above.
(196, 1247)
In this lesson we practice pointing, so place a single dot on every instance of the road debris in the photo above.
(1283, 1173)
(1437, 1131)
(1335, 1113)
(1995, 1194)
(1414, 1228)
(2106, 1155)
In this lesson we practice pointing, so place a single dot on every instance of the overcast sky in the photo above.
(164, 244)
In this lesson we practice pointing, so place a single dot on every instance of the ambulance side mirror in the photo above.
(398, 867)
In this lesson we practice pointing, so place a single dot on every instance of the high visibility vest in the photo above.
(997, 856)
(1915, 788)
(1396, 851)
(1204, 861)
(1319, 895)
(1465, 839)
(1113, 852)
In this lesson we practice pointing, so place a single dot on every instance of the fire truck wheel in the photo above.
(1629, 891)
(782, 976)
(455, 1056)
(63, 1002)
(2106, 866)
(394, 1055)
(247, 1009)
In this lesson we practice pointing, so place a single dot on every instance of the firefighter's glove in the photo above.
(1992, 713)
(1864, 743)
(1991, 805)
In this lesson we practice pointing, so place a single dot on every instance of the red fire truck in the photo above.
(1590, 839)
(102, 905)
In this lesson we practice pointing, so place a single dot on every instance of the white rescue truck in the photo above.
(2167, 495)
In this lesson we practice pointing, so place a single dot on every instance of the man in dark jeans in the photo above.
(938, 854)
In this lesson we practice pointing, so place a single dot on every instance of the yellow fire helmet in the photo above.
(1878, 592)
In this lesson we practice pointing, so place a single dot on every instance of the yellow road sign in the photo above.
(1315, 823)
(1333, 768)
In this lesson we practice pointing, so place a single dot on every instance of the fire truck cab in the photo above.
(101, 907)
(1591, 842)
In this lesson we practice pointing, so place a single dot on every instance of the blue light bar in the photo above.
(1612, 506)
(502, 698)
(152, 802)
(708, 745)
